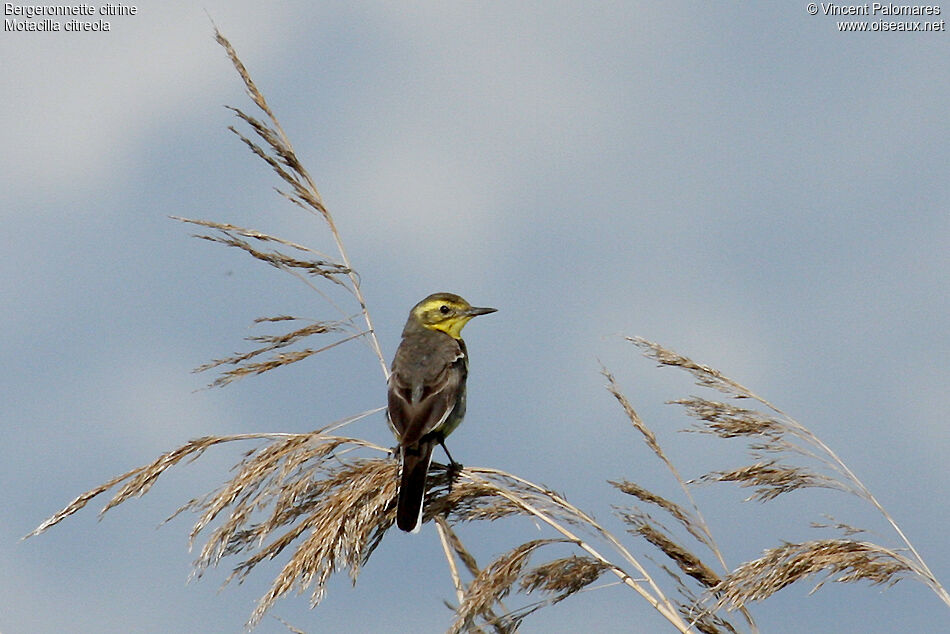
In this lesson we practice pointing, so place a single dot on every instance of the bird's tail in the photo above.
(412, 485)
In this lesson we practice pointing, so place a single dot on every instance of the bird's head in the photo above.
(446, 312)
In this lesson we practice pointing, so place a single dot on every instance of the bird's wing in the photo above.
(420, 403)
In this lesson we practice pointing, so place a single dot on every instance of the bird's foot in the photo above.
(453, 469)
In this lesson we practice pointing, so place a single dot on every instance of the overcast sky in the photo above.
(738, 181)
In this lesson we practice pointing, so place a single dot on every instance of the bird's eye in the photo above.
(444, 309)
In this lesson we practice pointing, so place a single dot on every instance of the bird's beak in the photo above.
(474, 311)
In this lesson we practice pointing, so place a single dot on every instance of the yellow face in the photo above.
(446, 312)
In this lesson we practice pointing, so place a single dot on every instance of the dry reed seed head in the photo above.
(274, 342)
(710, 624)
(276, 361)
(270, 137)
(252, 90)
(313, 267)
(139, 480)
(259, 320)
(729, 421)
(494, 583)
(278, 476)
(479, 494)
(704, 375)
(847, 529)
(276, 164)
(563, 577)
(469, 502)
(345, 515)
(694, 611)
(464, 499)
(76, 504)
(648, 436)
(247, 233)
(305, 194)
(680, 514)
(332, 271)
(250, 369)
(278, 341)
(703, 619)
(644, 495)
(842, 560)
(691, 565)
(707, 622)
(468, 560)
(772, 479)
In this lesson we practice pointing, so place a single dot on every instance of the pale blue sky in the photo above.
(740, 182)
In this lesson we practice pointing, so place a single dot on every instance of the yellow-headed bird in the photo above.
(427, 392)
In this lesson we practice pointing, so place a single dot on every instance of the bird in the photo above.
(426, 393)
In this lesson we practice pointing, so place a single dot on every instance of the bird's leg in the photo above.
(454, 467)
